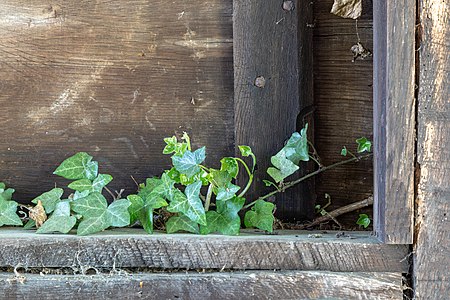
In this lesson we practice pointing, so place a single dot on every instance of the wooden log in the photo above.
(266, 87)
(394, 120)
(127, 248)
(239, 285)
(432, 247)
(111, 78)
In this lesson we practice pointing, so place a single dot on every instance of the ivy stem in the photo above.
(208, 197)
(250, 177)
(292, 183)
(316, 161)
(245, 165)
(249, 183)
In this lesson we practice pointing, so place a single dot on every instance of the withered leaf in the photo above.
(349, 9)
(360, 52)
(38, 214)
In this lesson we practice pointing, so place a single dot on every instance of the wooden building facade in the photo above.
(115, 78)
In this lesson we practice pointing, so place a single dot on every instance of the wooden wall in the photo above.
(111, 78)
(343, 102)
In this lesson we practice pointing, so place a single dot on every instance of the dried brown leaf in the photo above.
(38, 214)
(360, 52)
(349, 9)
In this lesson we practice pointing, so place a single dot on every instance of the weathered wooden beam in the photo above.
(394, 120)
(266, 89)
(240, 285)
(432, 246)
(129, 248)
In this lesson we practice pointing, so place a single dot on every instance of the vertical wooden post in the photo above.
(394, 120)
(432, 245)
(266, 70)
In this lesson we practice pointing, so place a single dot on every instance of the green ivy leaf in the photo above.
(261, 216)
(245, 150)
(150, 197)
(135, 208)
(8, 215)
(189, 163)
(81, 185)
(344, 151)
(363, 145)
(165, 188)
(94, 224)
(283, 167)
(230, 165)
(202, 176)
(173, 146)
(138, 211)
(226, 220)
(91, 206)
(100, 182)
(119, 214)
(227, 192)
(78, 166)
(363, 220)
(78, 195)
(5, 194)
(181, 223)
(296, 148)
(50, 199)
(189, 203)
(60, 220)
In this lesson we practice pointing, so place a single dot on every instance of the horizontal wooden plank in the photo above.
(240, 285)
(132, 248)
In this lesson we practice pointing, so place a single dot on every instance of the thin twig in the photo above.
(137, 184)
(337, 212)
(111, 193)
(292, 183)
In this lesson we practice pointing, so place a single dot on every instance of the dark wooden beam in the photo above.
(394, 120)
(432, 246)
(130, 248)
(266, 85)
(240, 285)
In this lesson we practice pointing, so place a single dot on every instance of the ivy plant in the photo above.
(86, 209)
(189, 196)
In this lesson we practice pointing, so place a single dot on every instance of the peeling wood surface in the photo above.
(432, 247)
(112, 79)
(129, 248)
(240, 285)
(266, 47)
(343, 100)
(394, 120)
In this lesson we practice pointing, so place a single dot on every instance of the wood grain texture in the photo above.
(266, 44)
(112, 79)
(394, 120)
(343, 100)
(134, 249)
(432, 247)
(239, 285)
